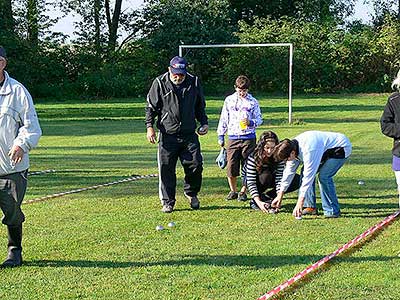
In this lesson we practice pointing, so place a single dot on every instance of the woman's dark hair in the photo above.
(283, 150)
(259, 157)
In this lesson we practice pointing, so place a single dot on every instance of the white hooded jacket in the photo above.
(19, 124)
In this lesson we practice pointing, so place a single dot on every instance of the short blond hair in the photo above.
(396, 82)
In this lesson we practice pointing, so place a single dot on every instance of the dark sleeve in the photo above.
(389, 127)
(152, 107)
(200, 112)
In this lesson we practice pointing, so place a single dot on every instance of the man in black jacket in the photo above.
(390, 126)
(176, 98)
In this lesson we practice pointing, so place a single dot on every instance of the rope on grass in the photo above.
(41, 172)
(133, 178)
(319, 263)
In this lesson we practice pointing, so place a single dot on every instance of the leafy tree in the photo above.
(31, 23)
(326, 58)
(100, 23)
(311, 10)
(383, 8)
(6, 17)
(327, 10)
(166, 24)
(32, 18)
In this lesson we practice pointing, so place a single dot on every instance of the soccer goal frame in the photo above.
(290, 45)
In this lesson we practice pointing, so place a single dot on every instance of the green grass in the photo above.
(102, 244)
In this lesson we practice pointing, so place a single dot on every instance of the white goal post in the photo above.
(290, 45)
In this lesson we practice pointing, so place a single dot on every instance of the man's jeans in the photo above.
(327, 188)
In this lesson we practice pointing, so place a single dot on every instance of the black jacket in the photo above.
(390, 121)
(176, 111)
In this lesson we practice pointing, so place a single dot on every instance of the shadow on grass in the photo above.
(352, 210)
(254, 261)
(216, 110)
(216, 207)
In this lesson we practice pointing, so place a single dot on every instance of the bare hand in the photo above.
(277, 202)
(261, 205)
(151, 135)
(246, 121)
(203, 130)
(16, 153)
(297, 211)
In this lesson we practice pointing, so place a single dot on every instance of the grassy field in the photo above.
(102, 244)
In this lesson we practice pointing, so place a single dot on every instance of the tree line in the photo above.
(331, 53)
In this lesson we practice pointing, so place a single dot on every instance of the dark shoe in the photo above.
(167, 208)
(232, 195)
(14, 258)
(194, 201)
(309, 211)
(253, 205)
(242, 196)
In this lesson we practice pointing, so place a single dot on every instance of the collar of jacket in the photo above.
(6, 88)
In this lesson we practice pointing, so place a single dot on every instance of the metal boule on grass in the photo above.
(171, 224)
(361, 182)
(159, 227)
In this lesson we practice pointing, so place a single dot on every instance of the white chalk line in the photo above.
(133, 178)
(41, 172)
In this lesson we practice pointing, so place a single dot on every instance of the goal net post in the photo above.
(290, 62)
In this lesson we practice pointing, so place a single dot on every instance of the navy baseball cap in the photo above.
(3, 52)
(178, 65)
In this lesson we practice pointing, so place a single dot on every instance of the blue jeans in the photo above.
(330, 203)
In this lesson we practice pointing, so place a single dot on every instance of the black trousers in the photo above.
(266, 181)
(187, 149)
(12, 192)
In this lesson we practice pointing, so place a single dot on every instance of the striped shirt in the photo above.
(250, 172)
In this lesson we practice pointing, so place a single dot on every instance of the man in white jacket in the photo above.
(20, 132)
(320, 152)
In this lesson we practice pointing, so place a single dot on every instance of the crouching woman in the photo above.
(263, 174)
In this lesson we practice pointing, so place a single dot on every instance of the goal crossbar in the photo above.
(290, 45)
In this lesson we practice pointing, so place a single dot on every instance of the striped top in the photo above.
(250, 176)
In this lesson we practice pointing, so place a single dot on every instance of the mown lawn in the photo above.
(102, 244)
